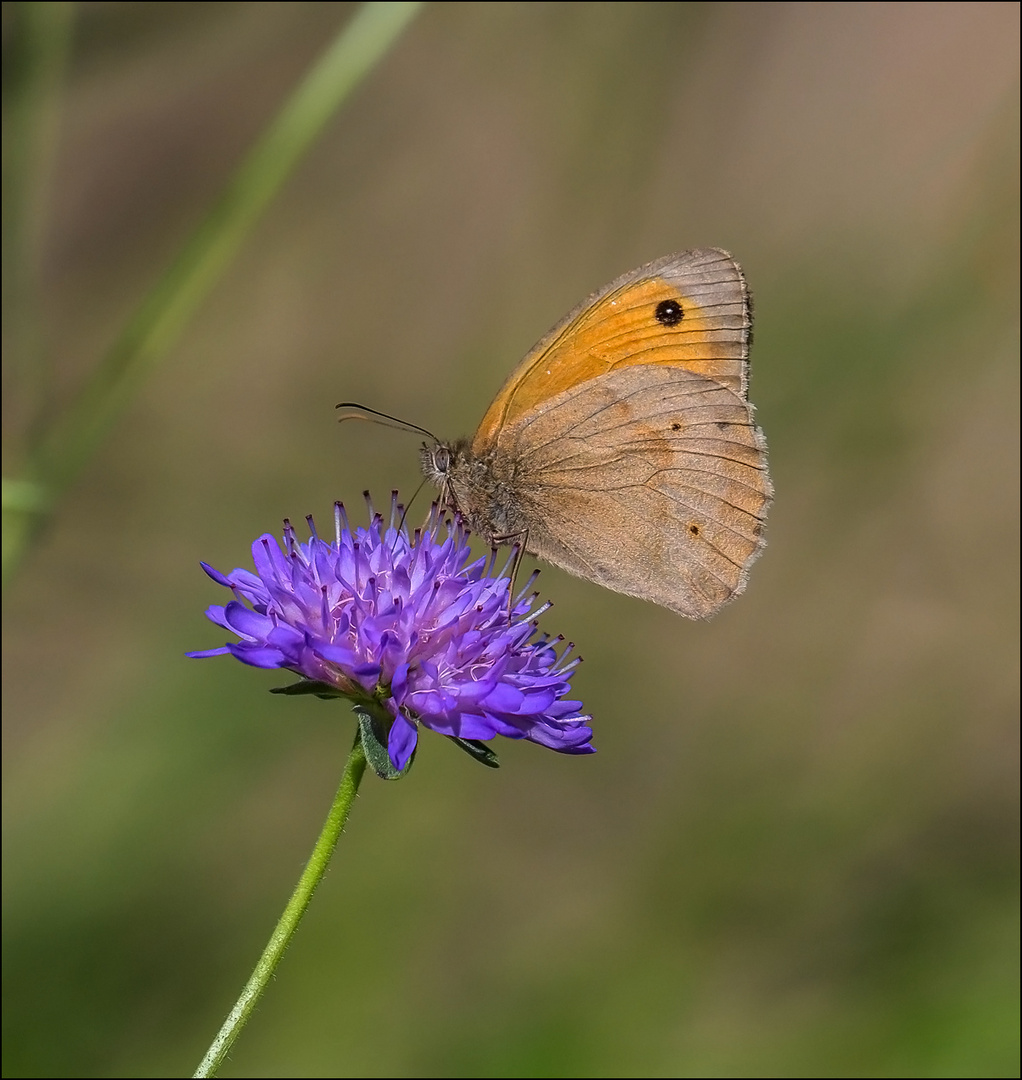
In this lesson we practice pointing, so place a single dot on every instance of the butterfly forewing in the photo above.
(688, 310)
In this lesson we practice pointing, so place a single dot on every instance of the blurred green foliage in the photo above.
(796, 852)
(39, 33)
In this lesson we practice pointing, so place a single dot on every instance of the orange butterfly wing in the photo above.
(633, 321)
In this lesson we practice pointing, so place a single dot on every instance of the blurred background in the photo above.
(795, 853)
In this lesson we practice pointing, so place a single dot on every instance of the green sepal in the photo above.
(310, 686)
(477, 749)
(373, 734)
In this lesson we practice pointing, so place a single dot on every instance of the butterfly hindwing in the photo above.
(652, 482)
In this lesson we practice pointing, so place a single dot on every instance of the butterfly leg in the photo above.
(519, 541)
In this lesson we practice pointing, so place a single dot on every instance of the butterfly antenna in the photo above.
(352, 410)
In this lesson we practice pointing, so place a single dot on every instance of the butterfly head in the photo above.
(437, 459)
(468, 486)
(445, 464)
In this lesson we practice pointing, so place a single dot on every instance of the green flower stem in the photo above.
(167, 308)
(288, 924)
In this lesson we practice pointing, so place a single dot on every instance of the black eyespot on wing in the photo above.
(694, 529)
(668, 313)
(675, 426)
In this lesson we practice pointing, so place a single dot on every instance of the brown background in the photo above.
(795, 853)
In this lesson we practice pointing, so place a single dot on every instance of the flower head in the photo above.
(409, 623)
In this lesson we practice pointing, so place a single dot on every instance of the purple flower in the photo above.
(407, 623)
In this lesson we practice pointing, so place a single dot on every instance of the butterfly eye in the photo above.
(668, 312)
(441, 460)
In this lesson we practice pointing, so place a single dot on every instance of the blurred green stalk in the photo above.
(33, 80)
(64, 450)
(283, 932)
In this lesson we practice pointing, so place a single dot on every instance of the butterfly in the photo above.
(623, 447)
